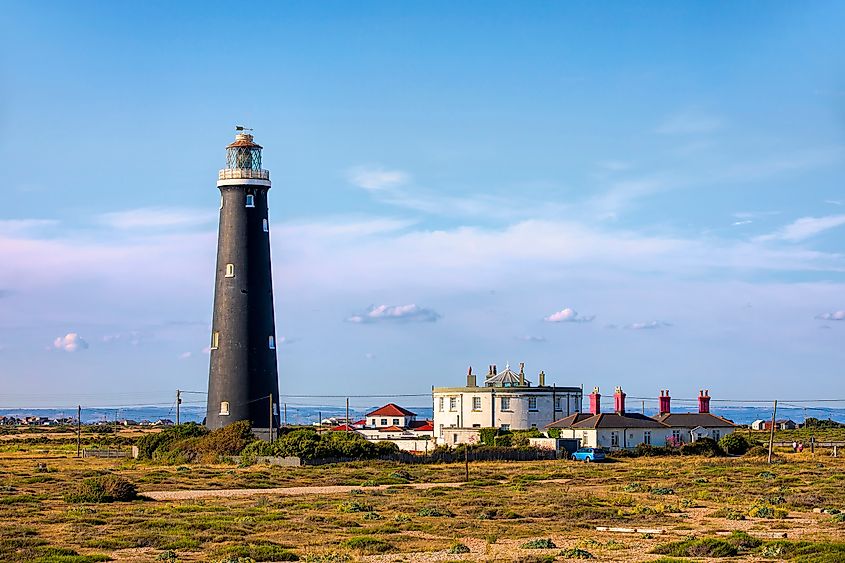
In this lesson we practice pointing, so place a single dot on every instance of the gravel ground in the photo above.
(288, 491)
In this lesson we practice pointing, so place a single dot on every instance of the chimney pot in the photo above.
(619, 401)
(542, 377)
(704, 402)
(495, 371)
(595, 401)
(665, 403)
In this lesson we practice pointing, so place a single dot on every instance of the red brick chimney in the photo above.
(619, 401)
(704, 401)
(595, 401)
(665, 406)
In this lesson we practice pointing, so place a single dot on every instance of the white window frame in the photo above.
(506, 403)
(224, 408)
(647, 437)
(441, 404)
(395, 422)
(557, 404)
(230, 270)
(271, 342)
(453, 404)
(215, 340)
(614, 439)
(250, 200)
(383, 422)
(505, 427)
(476, 403)
(532, 403)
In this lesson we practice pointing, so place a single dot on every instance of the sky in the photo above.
(640, 194)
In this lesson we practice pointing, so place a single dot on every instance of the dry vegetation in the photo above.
(501, 514)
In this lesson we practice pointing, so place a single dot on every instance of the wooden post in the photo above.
(178, 403)
(772, 432)
(466, 461)
(78, 430)
(347, 414)
(286, 414)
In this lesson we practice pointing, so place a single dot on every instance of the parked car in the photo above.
(588, 454)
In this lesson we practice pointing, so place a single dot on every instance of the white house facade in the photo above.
(506, 400)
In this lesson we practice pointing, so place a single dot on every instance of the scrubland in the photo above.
(696, 509)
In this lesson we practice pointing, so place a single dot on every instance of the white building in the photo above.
(506, 400)
(621, 429)
(395, 424)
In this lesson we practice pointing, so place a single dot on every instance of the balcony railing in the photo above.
(243, 174)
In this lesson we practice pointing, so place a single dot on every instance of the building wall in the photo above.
(632, 437)
(482, 407)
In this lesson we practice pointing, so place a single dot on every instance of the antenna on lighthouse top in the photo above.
(242, 128)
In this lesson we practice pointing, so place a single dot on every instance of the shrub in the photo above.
(105, 488)
(663, 491)
(229, 440)
(576, 553)
(703, 446)
(299, 443)
(150, 443)
(354, 506)
(705, 547)
(458, 548)
(436, 512)
(367, 544)
(541, 543)
(743, 540)
(767, 511)
(736, 444)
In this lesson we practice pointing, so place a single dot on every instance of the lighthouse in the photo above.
(243, 382)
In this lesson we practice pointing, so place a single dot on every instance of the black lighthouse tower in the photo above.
(243, 382)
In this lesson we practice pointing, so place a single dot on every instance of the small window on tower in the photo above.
(221, 201)
(266, 226)
(272, 342)
(230, 270)
(224, 408)
(250, 200)
(215, 340)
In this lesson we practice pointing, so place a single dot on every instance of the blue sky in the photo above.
(636, 194)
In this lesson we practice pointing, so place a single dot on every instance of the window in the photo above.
(224, 408)
(716, 435)
(557, 404)
(271, 341)
(384, 422)
(532, 403)
(505, 427)
(506, 403)
(396, 422)
(230, 270)
(647, 437)
(476, 426)
(265, 225)
(454, 438)
(476, 403)
(614, 439)
(215, 340)
(441, 430)
(534, 427)
(584, 436)
(441, 404)
(250, 200)
(453, 403)
(676, 436)
(221, 201)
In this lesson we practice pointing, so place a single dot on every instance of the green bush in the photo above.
(576, 553)
(458, 548)
(736, 444)
(705, 547)
(703, 446)
(542, 543)
(150, 443)
(367, 544)
(743, 540)
(105, 488)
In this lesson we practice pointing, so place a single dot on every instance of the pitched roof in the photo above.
(616, 420)
(693, 419)
(343, 428)
(506, 378)
(391, 429)
(391, 409)
(422, 426)
(568, 421)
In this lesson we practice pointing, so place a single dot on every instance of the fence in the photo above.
(481, 454)
(106, 453)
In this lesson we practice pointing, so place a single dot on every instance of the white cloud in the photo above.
(805, 227)
(157, 218)
(739, 223)
(690, 122)
(376, 178)
(404, 313)
(567, 315)
(834, 316)
(71, 342)
(531, 338)
(833, 201)
(369, 356)
(186, 355)
(16, 227)
(649, 325)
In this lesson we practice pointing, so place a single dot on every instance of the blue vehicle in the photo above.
(588, 455)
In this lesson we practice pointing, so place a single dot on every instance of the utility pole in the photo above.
(78, 430)
(270, 426)
(643, 407)
(466, 462)
(286, 414)
(347, 415)
(178, 402)
(772, 432)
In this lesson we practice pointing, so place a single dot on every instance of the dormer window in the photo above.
(250, 200)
